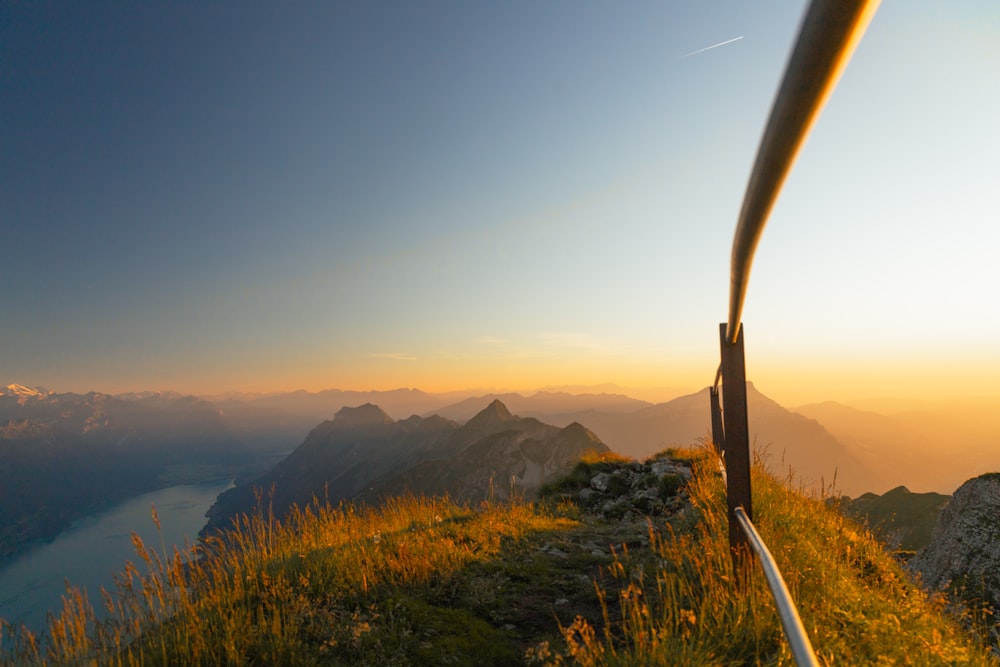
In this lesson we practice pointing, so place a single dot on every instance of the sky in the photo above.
(271, 196)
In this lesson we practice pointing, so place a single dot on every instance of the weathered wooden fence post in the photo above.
(736, 435)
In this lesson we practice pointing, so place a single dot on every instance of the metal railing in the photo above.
(798, 640)
(830, 31)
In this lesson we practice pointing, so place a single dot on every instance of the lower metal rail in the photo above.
(798, 640)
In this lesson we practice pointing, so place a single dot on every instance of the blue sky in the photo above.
(261, 196)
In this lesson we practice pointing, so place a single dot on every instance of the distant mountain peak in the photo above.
(368, 414)
(22, 391)
(494, 418)
(494, 412)
(578, 430)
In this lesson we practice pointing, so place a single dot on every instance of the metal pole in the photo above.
(718, 433)
(737, 439)
(830, 31)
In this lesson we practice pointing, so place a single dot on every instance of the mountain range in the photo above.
(70, 453)
(363, 454)
(638, 430)
(63, 456)
(870, 446)
(929, 447)
(547, 405)
(934, 448)
(66, 454)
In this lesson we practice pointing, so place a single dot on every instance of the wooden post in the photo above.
(718, 434)
(737, 439)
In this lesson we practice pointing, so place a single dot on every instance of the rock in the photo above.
(631, 491)
(600, 481)
(663, 467)
(617, 508)
(650, 493)
(964, 553)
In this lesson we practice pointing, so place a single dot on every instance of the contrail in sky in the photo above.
(714, 46)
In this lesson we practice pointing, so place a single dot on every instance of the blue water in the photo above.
(91, 551)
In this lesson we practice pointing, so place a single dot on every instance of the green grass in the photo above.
(579, 477)
(429, 582)
(898, 517)
(682, 604)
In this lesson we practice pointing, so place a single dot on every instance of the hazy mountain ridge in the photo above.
(927, 449)
(930, 449)
(547, 405)
(790, 440)
(337, 459)
(401, 402)
(363, 453)
(63, 456)
(275, 423)
(153, 418)
(864, 451)
(923, 448)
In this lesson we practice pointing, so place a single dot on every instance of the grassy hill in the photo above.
(556, 582)
(901, 519)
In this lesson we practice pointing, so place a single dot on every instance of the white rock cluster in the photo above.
(628, 490)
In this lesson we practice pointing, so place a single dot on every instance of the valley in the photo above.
(124, 446)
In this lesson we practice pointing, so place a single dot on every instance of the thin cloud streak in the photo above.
(709, 48)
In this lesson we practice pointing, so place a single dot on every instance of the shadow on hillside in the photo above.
(492, 611)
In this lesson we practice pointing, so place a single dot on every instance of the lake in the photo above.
(92, 550)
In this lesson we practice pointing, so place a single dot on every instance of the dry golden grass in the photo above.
(423, 581)
(682, 604)
(268, 592)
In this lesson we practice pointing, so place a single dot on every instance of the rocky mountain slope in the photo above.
(364, 454)
(964, 553)
(512, 461)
